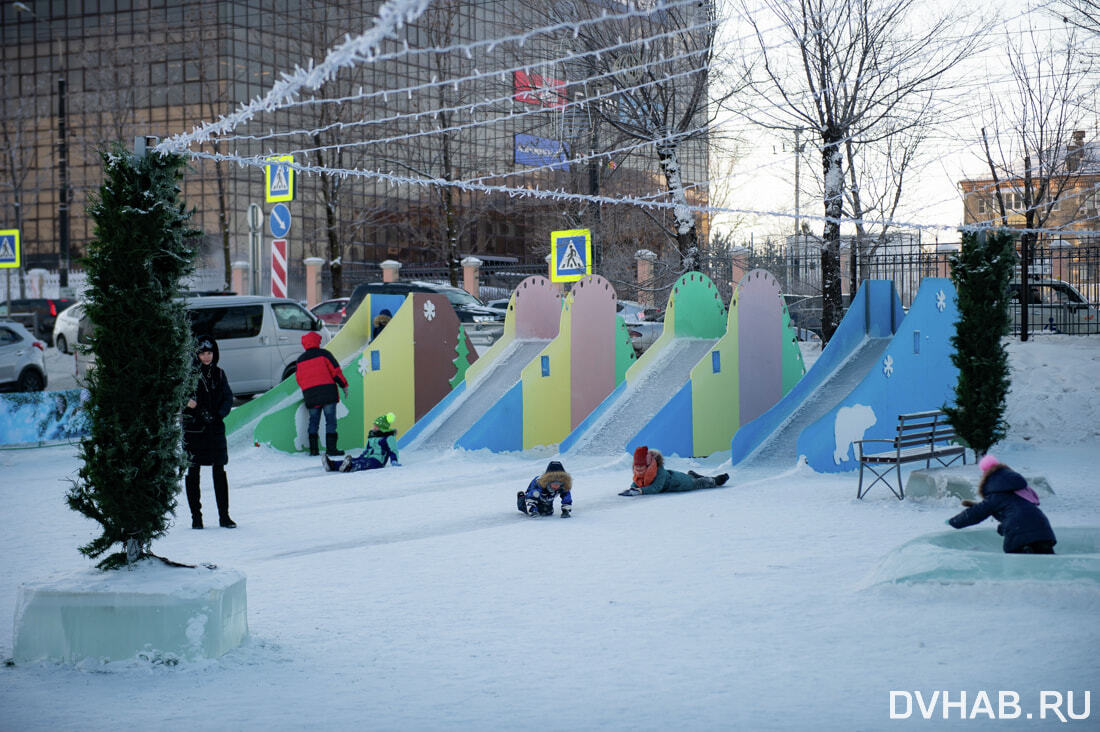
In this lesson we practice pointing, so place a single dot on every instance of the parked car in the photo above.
(259, 338)
(22, 358)
(37, 313)
(500, 305)
(805, 312)
(643, 333)
(1054, 306)
(65, 327)
(483, 325)
(331, 311)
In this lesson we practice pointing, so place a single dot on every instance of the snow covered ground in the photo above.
(419, 598)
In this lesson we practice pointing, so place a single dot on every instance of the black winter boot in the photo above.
(721, 479)
(330, 444)
(314, 445)
(221, 494)
(191, 483)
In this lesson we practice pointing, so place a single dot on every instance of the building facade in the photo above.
(98, 73)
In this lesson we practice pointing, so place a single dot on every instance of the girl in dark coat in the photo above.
(1008, 498)
(651, 476)
(204, 432)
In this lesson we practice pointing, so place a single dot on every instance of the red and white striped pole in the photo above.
(278, 267)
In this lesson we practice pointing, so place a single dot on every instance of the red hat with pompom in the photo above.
(641, 456)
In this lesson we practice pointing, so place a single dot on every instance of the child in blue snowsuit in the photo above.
(381, 448)
(538, 499)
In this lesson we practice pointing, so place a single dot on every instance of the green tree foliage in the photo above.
(981, 272)
(132, 458)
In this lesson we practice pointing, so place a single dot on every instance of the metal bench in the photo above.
(920, 436)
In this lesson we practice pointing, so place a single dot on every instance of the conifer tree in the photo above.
(132, 458)
(981, 271)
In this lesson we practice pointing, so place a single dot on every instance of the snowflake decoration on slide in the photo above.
(941, 301)
(429, 310)
(888, 366)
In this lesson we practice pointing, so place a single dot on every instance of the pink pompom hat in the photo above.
(987, 463)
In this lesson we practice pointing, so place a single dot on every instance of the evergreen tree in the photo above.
(132, 458)
(981, 271)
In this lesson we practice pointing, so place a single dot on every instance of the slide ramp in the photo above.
(469, 404)
(780, 447)
(637, 402)
(860, 339)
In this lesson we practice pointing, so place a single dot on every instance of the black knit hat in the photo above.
(205, 344)
(554, 467)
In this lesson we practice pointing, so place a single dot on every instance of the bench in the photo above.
(920, 436)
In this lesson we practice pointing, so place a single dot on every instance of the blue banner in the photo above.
(37, 417)
(539, 151)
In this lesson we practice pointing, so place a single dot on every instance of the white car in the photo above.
(65, 327)
(22, 358)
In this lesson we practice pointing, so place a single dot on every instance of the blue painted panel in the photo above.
(911, 376)
(670, 431)
(500, 429)
(875, 312)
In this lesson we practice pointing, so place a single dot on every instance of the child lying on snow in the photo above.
(650, 476)
(1007, 497)
(381, 449)
(538, 499)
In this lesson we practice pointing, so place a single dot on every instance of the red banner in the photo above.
(541, 90)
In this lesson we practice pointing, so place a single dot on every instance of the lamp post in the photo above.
(62, 157)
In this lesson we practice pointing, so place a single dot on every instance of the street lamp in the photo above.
(62, 158)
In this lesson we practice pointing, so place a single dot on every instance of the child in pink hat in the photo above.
(1007, 497)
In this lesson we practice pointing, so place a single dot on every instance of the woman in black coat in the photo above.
(1007, 497)
(204, 432)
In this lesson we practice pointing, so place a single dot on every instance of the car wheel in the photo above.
(62, 344)
(31, 380)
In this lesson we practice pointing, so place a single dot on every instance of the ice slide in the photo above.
(912, 373)
(860, 339)
(412, 364)
(694, 320)
(565, 381)
(534, 313)
(733, 380)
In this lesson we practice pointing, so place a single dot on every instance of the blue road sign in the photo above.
(572, 253)
(9, 248)
(279, 179)
(279, 220)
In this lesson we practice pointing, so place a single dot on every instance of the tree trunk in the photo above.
(832, 161)
(687, 238)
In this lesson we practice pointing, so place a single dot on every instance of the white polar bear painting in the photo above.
(850, 425)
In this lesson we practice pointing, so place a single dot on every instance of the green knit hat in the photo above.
(385, 421)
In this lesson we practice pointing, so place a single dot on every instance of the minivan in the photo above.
(259, 338)
(1053, 306)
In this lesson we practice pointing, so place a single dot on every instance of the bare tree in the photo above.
(1030, 156)
(850, 72)
(651, 75)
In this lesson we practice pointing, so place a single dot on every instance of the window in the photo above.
(8, 337)
(238, 321)
(292, 317)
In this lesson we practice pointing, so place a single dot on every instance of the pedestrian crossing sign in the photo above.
(9, 248)
(570, 254)
(279, 179)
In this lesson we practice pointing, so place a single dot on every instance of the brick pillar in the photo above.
(240, 278)
(645, 259)
(313, 280)
(471, 281)
(389, 270)
(739, 264)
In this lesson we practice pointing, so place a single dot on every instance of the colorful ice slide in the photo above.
(748, 370)
(914, 374)
(407, 369)
(532, 321)
(565, 381)
(873, 317)
(346, 346)
(695, 318)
